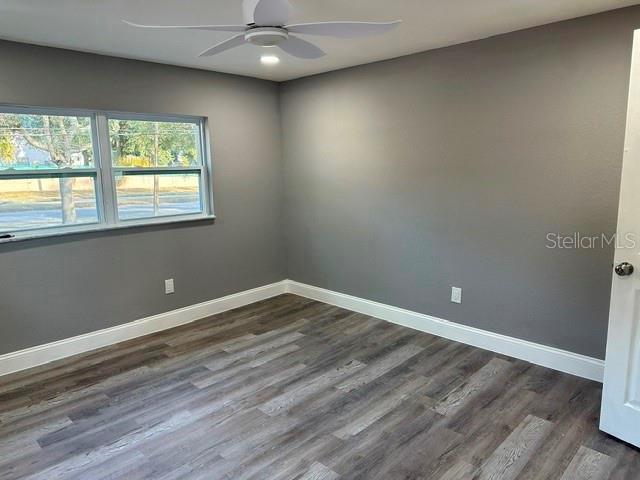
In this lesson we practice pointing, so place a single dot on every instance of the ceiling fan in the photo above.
(266, 26)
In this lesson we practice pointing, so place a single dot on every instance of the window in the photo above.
(64, 172)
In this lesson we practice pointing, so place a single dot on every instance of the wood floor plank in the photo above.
(25, 442)
(307, 388)
(510, 458)
(129, 465)
(369, 452)
(284, 459)
(217, 374)
(377, 411)
(573, 428)
(289, 389)
(208, 405)
(492, 415)
(379, 368)
(316, 419)
(482, 379)
(460, 471)
(589, 465)
(317, 471)
(408, 461)
(272, 339)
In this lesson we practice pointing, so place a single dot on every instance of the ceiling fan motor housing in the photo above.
(266, 36)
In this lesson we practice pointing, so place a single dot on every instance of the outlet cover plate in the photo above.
(456, 295)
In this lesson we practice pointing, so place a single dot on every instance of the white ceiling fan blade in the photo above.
(272, 13)
(224, 46)
(214, 28)
(344, 29)
(300, 48)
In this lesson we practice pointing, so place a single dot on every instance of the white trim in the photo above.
(103, 159)
(550, 357)
(103, 227)
(32, 357)
(543, 355)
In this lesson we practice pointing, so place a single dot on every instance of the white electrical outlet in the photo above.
(456, 295)
(169, 288)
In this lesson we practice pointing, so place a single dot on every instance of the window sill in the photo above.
(63, 232)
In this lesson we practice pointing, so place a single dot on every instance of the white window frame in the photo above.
(104, 173)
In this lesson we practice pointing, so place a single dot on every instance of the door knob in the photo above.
(624, 269)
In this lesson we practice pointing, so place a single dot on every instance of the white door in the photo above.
(621, 399)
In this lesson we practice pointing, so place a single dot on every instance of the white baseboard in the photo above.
(32, 357)
(549, 357)
(555, 358)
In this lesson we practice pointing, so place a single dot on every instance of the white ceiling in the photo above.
(95, 26)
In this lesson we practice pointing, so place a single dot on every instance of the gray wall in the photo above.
(449, 168)
(57, 288)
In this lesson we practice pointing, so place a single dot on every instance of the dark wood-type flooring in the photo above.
(289, 388)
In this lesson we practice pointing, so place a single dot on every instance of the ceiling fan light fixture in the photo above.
(266, 36)
(269, 60)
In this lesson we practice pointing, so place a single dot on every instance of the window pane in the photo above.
(30, 142)
(136, 143)
(46, 202)
(148, 196)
